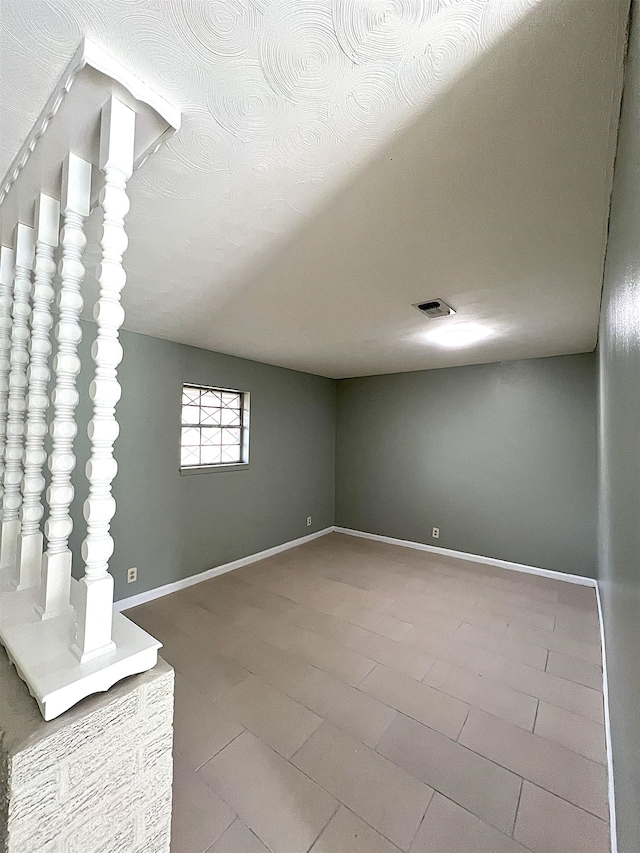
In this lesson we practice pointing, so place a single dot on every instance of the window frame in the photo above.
(245, 407)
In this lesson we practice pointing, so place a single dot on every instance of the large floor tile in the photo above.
(490, 604)
(434, 708)
(200, 729)
(469, 779)
(548, 824)
(485, 693)
(372, 620)
(281, 805)
(324, 624)
(382, 794)
(330, 657)
(427, 638)
(544, 762)
(278, 667)
(492, 642)
(448, 828)
(575, 732)
(212, 674)
(578, 630)
(440, 616)
(199, 814)
(275, 718)
(347, 833)
(237, 839)
(414, 662)
(555, 642)
(527, 679)
(575, 669)
(357, 713)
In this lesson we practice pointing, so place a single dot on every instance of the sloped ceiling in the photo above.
(339, 161)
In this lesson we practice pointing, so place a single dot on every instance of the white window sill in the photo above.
(209, 469)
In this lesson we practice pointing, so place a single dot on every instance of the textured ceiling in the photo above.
(341, 160)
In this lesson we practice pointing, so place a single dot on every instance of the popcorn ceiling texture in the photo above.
(97, 779)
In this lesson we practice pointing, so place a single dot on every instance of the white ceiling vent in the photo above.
(434, 308)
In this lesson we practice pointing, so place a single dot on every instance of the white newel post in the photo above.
(56, 565)
(14, 446)
(47, 223)
(95, 599)
(7, 271)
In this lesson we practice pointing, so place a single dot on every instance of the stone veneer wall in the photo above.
(95, 780)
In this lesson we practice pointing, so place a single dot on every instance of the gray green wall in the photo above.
(619, 456)
(172, 526)
(501, 457)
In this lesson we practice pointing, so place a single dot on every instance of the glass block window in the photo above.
(214, 427)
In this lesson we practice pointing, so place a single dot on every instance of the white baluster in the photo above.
(95, 599)
(12, 498)
(47, 222)
(7, 272)
(56, 565)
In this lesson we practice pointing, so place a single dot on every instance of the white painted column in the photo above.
(56, 565)
(47, 223)
(7, 272)
(95, 599)
(12, 498)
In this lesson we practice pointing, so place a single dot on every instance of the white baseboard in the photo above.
(607, 731)
(158, 592)
(473, 558)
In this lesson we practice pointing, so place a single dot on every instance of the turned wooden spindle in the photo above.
(56, 564)
(14, 445)
(47, 223)
(7, 272)
(95, 600)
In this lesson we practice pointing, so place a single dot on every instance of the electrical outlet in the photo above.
(132, 575)
(308, 521)
(435, 533)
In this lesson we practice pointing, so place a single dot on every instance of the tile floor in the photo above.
(349, 696)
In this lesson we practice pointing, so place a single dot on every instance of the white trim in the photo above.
(473, 558)
(89, 54)
(607, 731)
(144, 597)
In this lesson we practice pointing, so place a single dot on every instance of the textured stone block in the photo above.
(96, 779)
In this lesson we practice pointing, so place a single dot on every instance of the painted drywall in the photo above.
(170, 525)
(619, 456)
(500, 457)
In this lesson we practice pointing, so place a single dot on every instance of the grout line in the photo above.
(469, 706)
(515, 817)
(424, 814)
(535, 719)
(244, 729)
(531, 782)
(340, 803)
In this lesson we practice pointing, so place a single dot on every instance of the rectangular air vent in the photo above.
(434, 308)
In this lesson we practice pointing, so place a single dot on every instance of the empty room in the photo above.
(319, 426)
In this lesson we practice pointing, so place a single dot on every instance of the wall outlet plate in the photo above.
(308, 521)
(435, 532)
(132, 575)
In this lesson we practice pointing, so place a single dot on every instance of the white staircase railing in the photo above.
(62, 634)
